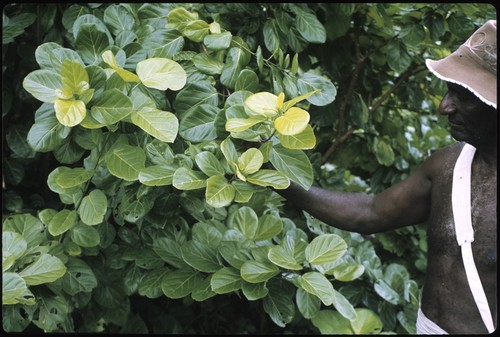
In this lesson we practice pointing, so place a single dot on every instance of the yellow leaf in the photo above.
(70, 112)
(262, 103)
(126, 75)
(294, 121)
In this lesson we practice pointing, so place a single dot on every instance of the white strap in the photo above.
(461, 203)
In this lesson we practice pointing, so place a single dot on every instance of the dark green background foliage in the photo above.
(135, 140)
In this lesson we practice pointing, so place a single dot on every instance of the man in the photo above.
(447, 303)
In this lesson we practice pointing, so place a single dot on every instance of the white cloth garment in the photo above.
(427, 327)
(461, 203)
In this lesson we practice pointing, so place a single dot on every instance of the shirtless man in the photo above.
(447, 303)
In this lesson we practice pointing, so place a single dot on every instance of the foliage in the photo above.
(143, 143)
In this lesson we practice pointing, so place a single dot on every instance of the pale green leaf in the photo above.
(326, 248)
(160, 124)
(294, 164)
(45, 269)
(62, 222)
(262, 103)
(188, 179)
(304, 140)
(161, 74)
(126, 162)
(317, 284)
(93, 207)
(256, 272)
(271, 178)
(70, 112)
(42, 84)
(219, 192)
(157, 175)
(280, 257)
(250, 161)
(13, 288)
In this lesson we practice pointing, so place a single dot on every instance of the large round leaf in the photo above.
(161, 74)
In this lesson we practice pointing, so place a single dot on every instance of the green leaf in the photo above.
(250, 161)
(347, 272)
(269, 226)
(45, 269)
(326, 248)
(208, 163)
(226, 280)
(126, 161)
(109, 58)
(15, 26)
(294, 164)
(247, 80)
(271, 178)
(243, 191)
(280, 257)
(30, 227)
(203, 291)
(246, 221)
(309, 26)
(317, 284)
(208, 64)
(161, 74)
(79, 277)
(219, 192)
(169, 251)
(62, 221)
(111, 106)
(200, 256)
(196, 30)
(254, 291)
(366, 323)
(47, 134)
(13, 288)
(383, 151)
(236, 61)
(118, 19)
(256, 272)
(241, 124)
(330, 322)
(307, 303)
(220, 41)
(13, 247)
(326, 90)
(157, 175)
(278, 304)
(187, 179)
(386, 292)
(343, 306)
(180, 283)
(73, 177)
(199, 123)
(85, 236)
(304, 140)
(43, 85)
(162, 125)
(229, 150)
(93, 208)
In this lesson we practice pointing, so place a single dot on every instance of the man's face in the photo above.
(471, 120)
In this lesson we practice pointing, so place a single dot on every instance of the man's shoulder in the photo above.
(443, 160)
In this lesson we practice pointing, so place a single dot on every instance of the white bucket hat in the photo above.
(473, 65)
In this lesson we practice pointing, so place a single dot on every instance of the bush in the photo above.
(137, 190)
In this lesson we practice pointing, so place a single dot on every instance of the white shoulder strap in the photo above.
(461, 203)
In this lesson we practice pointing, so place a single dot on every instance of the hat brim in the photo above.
(459, 68)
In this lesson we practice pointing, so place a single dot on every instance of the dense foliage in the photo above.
(142, 144)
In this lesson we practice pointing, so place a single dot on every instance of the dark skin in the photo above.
(425, 197)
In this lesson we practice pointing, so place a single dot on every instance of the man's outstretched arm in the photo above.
(405, 203)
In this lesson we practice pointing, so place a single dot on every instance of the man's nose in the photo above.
(447, 106)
